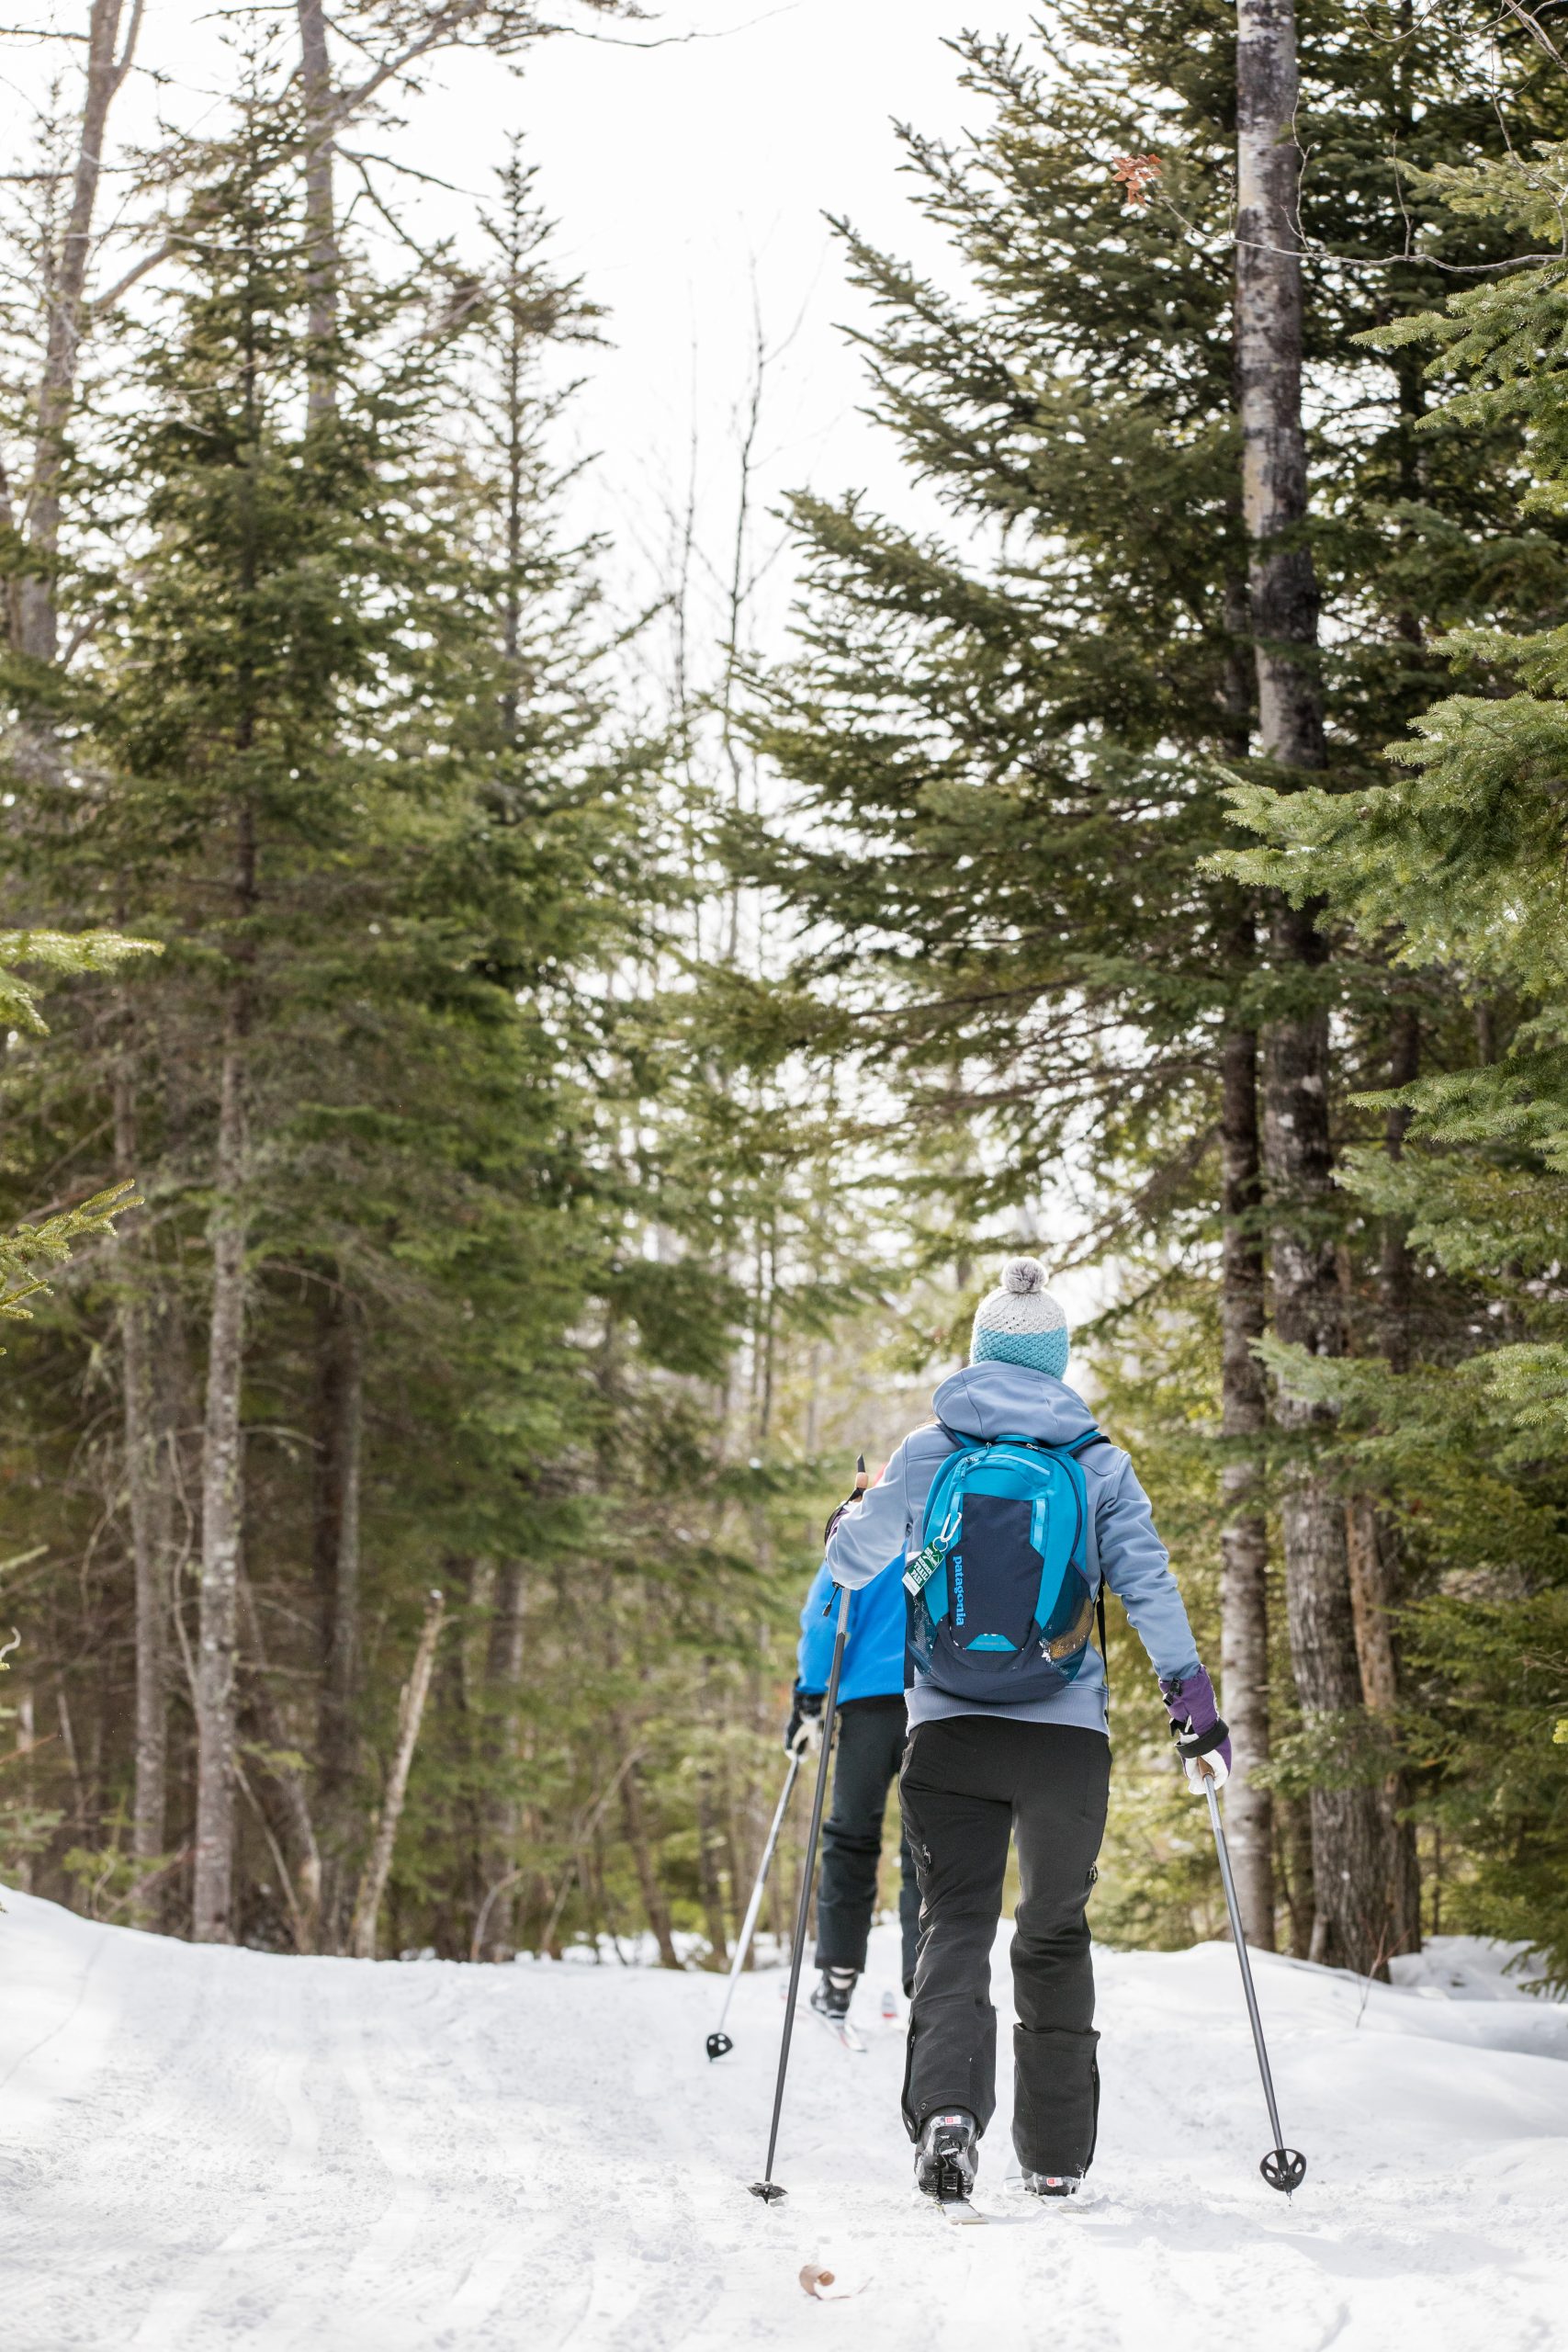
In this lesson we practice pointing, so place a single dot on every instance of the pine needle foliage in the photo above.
(1455, 867)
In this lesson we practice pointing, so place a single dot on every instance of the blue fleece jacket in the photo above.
(998, 1399)
(873, 1653)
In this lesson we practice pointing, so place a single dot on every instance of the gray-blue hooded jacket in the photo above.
(998, 1399)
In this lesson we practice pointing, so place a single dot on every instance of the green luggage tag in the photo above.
(922, 1569)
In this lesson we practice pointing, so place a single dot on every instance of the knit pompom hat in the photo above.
(1019, 1322)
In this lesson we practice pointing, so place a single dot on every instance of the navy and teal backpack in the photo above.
(1001, 1602)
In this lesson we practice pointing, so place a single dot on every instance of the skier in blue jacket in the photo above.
(871, 1748)
(983, 1767)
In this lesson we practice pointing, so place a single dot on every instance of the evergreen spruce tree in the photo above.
(25, 1252)
(1454, 869)
(488, 1290)
(368, 904)
(1007, 766)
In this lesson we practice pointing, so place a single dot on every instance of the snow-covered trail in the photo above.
(214, 2149)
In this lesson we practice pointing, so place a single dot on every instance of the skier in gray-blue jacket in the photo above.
(870, 1751)
(984, 1765)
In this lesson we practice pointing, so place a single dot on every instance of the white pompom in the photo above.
(1022, 1275)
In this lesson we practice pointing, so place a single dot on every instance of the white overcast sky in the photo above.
(679, 173)
(682, 176)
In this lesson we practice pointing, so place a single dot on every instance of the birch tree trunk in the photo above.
(323, 267)
(147, 1487)
(223, 1460)
(1243, 1531)
(36, 606)
(411, 1714)
(339, 1413)
(1351, 1927)
(221, 1480)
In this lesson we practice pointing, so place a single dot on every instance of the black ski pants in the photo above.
(871, 1748)
(968, 1783)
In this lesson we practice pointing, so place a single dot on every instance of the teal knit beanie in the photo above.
(1019, 1322)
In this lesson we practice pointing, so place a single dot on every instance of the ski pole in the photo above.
(1281, 2167)
(719, 2043)
(768, 2189)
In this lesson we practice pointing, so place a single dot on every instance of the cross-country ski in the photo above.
(839, 2029)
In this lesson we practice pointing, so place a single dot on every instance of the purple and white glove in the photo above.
(1202, 1739)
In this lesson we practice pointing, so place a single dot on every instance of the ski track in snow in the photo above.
(202, 2150)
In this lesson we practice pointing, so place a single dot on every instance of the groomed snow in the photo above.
(215, 2148)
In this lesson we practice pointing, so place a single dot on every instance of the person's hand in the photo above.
(804, 1730)
(856, 1491)
(1202, 1738)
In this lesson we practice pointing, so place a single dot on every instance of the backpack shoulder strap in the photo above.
(1081, 1446)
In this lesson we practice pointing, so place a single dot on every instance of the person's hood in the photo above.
(999, 1399)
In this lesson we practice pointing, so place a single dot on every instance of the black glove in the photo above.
(854, 1494)
(804, 1728)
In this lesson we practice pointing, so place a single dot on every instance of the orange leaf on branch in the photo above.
(1136, 175)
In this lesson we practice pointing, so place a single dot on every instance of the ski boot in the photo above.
(830, 1994)
(1049, 2184)
(946, 2158)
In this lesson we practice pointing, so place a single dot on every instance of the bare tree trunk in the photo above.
(410, 1713)
(1375, 1546)
(221, 1488)
(1292, 1823)
(1374, 1543)
(1395, 1286)
(1372, 1597)
(36, 606)
(27, 1740)
(503, 1675)
(1282, 584)
(1373, 1538)
(1244, 1536)
(1244, 1533)
(323, 267)
(284, 1803)
(1352, 1926)
(474, 1725)
(340, 1408)
(634, 1813)
(147, 1487)
(517, 331)
(709, 1838)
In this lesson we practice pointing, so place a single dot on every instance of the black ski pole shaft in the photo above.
(768, 2189)
(1282, 2167)
(718, 2041)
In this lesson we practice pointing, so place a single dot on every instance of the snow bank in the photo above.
(222, 2149)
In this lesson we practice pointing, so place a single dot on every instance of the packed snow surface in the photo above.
(218, 2148)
